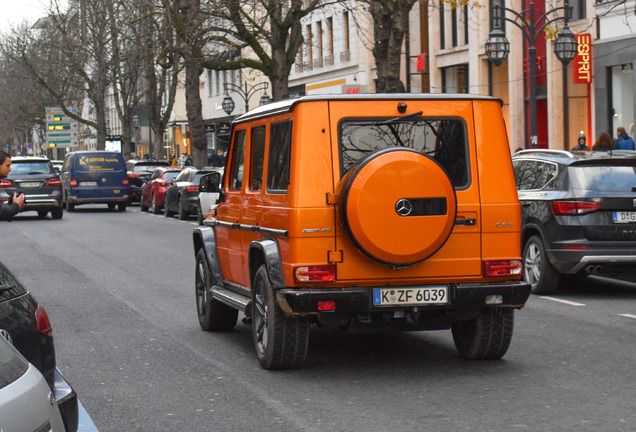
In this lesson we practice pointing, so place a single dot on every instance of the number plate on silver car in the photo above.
(30, 184)
(624, 217)
(410, 296)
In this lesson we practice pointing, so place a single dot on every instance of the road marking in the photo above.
(628, 316)
(567, 302)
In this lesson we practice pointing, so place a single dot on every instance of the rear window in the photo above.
(600, 178)
(443, 140)
(99, 162)
(144, 168)
(19, 168)
(171, 174)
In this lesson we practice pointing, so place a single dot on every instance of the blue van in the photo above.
(91, 177)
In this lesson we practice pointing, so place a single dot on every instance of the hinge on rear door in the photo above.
(332, 199)
(335, 256)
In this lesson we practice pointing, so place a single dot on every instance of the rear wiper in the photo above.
(38, 172)
(397, 119)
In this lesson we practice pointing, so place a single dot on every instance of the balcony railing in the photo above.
(308, 65)
(329, 60)
(345, 56)
(318, 62)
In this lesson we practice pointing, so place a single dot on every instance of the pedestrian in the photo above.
(16, 202)
(603, 142)
(217, 159)
(188, 161)
(581, 146)
(173, 160)
(623, 141)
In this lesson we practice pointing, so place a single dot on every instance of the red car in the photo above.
(154, 191)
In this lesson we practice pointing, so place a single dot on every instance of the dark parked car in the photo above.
(154, 190)
(139, 171)
(181, 196)
(36, 178)
(578, 213)
(25, 323)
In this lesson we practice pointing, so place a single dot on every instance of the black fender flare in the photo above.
(266, 251)
(204, 238)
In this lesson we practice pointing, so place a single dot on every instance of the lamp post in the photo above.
(246, 93)
(135, 122)
(498, 47)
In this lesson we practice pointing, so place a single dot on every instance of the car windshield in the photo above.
(171, 174)
(29, 168)
(601, 178)
(443, 140)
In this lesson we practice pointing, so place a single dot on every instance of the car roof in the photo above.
(29, 158)
(574, 157)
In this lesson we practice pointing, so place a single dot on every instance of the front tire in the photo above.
(213, 315)
(485, 337)
(538, 272)
(156, 209)
(121, 207)
(280, 342)
(166, 209)
(183, 214)
(57, 213)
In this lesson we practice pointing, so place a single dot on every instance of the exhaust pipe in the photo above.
(594, 269)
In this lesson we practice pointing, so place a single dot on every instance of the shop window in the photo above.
(455, 79)
(622, 97)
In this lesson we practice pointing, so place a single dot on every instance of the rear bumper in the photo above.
(66, 399)
(596, 258)
(100, 200)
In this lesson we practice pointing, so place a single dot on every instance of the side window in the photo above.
(67, 164)
(533, 175)
(256, 158)
(238, 160)
(278, 165)
(155, 175)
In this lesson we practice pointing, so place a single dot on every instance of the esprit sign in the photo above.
(582, 72)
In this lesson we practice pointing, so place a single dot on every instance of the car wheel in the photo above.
(142, 206)
(121, 207)
(280, 342)
(111, 206)
(485, 337)
(166, 209)
(183, 214)
(42, 213)
(57, 213)
(155, 208)
(213, 315)
(538, 272)
(70, 207)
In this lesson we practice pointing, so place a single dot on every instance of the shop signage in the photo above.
(582, 72)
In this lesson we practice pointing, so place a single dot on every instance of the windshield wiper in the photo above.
(397, 119)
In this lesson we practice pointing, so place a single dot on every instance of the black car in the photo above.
(40, 183)
(139, 172)
(182, 195)
(26, 325)
(578, 213)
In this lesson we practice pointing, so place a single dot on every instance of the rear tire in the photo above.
(213, 315)
(156, 209)
(166, 209)
(142, 206)
(538, 272)
(57, 213)
(111, 206)
(280, 342)
(183, 214)
(486, 337)
(121, 207)
(42, 214)
(70, 207)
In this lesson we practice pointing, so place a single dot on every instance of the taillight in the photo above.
(44, 325)
(503, 267)
(5, 183)
(192, 188)
(560, 208)
(73, 182)
(133, 175)
(315, 273)
(125, 182)
(54, 182)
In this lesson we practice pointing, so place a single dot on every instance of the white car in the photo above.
(26, 400)
(208, 193)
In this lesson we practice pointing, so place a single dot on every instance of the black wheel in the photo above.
(121, 207)
(42, 213)
(57, 213)
(486, 337)
(70, 207)
(538, 272)
(166, 209)
(280, 342)
(142, 206)
(183, 214)
(111, 206)
(156, 209)
(213, 315)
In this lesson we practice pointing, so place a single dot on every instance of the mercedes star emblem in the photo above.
(403, 207)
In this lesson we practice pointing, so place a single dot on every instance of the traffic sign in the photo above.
(61, 130)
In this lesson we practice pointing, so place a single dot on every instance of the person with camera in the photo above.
(16, 201)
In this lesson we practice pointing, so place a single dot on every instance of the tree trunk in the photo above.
(198, 142)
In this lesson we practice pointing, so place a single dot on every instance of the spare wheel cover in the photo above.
(399, 206)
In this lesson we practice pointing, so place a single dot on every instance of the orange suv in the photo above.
(343, 210)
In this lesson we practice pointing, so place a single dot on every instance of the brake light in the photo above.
(5, 183)
(192, 188)
(315, 273)
(73, 182)
(503, 267)
(125, 182)
(133, 175)
(54, 182)
(42, 319)
(560, 208)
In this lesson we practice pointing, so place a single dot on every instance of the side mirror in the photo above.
(210, 183)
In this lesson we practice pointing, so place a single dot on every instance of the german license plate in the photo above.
(624, 217)
(410, 296)
(30, 184)
(88, 183)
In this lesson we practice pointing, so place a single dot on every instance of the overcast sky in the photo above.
(13, 12)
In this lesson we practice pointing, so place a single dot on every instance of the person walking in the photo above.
(16, 202)
(603, 142)
(623, 141)
(581, 146)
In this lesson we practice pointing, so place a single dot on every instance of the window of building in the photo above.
(454, 25)
(465, 25)
(622, 98)
(279, 163)
(330, 36)
(210, 83)
(346, 35)
(442, 27)
(319, 41)
(257, 145)
(455, 79)
(217, 83)
(578, 9)
(308, 43)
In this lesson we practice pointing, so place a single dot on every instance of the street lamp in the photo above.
(498, 47)
(246, 93)
(135, 122)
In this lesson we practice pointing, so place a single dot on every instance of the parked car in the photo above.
(578, 213)
(36, 178)
(342, 210)
(154, 190)
(139, 171)
(26, 324)
(94, 177)
(208, 196)
(182, 195)
(27, 403)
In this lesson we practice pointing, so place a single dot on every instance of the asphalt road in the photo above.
(119, 290)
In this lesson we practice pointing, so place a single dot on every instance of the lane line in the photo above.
(628, 316)
(567, 302)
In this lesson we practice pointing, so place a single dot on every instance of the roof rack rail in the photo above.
(549, 151)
